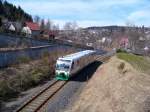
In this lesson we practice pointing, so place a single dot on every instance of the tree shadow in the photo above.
(86, 73)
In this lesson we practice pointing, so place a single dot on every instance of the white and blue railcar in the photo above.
(68, 65)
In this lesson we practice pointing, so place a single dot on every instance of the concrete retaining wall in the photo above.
(6, 40)
(14, 56)
(34, 52)
(10, 40)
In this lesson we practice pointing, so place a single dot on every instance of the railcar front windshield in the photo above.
(63, 65)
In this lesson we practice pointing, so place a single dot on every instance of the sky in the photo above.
(89, 12)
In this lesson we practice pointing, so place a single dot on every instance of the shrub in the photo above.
(1, 30)
(5, 90)
(45, 54)
(121, 66)
(121, 51)
(24, 59)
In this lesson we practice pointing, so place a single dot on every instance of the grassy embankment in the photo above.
(28, 74)
(141, 63)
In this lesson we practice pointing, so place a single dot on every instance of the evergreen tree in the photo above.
(0, 21)
(12, 13)
(1, 8)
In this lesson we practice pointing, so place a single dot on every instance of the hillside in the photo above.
(13, 13)
(115, 27)
(126, 89)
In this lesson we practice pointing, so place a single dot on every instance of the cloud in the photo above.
(141, 14)
(87, 12)
(140, 17)
(44, 7)
(85, 23)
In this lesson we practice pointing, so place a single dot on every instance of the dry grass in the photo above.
(115, 87)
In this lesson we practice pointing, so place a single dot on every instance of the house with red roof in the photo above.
(34, 27)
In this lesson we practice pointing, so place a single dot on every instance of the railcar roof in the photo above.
(77, 55)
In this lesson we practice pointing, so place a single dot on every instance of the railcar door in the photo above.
(72, 70)
(75, 66)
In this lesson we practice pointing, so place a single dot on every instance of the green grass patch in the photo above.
(139, 62)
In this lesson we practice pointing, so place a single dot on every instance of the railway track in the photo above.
(103, 58)
(39, 100)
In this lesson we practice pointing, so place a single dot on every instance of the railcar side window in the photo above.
(77, 62)
(72, 65)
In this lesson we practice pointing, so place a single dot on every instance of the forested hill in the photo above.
(13, 13)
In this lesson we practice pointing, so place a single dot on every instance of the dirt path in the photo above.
(115, 87)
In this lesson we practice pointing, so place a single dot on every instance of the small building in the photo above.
(148, 36)
(89, 44)
(13, 27)
(26, 31)
(34, 27)
(8, 27)
(142, 38)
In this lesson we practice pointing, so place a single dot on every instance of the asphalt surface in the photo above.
(65, 98)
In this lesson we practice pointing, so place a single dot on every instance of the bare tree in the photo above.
(37, 19)
(130, 24)
(55, 27)
(74, 25)
(42, 25)
(70, 25)
(133, 34)
(67, 26)
(49, 25)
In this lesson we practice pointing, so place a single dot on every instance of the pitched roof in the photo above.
(33, 26)
(12, 27)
